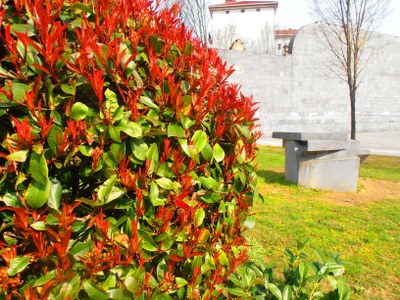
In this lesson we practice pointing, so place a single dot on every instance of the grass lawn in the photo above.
(364, 227)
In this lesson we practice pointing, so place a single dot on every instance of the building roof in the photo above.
(229, 5)
(285, 33)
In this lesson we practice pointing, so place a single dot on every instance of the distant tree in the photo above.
(194, 13)
(266, 40)
(224, 37)
(347, 26)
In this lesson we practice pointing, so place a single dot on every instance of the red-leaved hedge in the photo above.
(125, 158)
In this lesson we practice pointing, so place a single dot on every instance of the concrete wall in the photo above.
(300, 92)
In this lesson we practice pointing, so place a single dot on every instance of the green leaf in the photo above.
(244, 130)
(344, 290)
(94, 291)
(132, 284)
(167, 243)
(207, 152)
(110, 161)
(19, 91)
(302, 271)
(162, 268)
(116, 193)
(218, 153)
(118, 150)
(114, 133)
(81, 248)
(180, 281)
(138, 79)
(52, 220)
(106, 188)
(199, 140)
(23, 28)
(188, 48)
(157, 44)
(68, 89)
(153, 156)
(211, 197)
(132, 129)
(85, 150)
(209, 183)
(148, 102)
(287, 293)
(316, 295)
(10, 240)
(237, 292)
(17, 265)
(187, 122)
(333, 268)
(148, 242)
(190, 150)
(185, 86)
(140, 149)
(164, 170)
(165, 183)
(56, 117)
(82, 7)
(111, 103)
(5, 73)
(186, 103)
(301, 243)
(44, 279)
(120, 294)
(18, 156)
(223, 259)
(154, 193)
(199, 216)
(118, 114)
(174, 129)
(37, 194)
(54, 139)
(79, 111)
(40, 226)
(275, 290)
(110, 282)
(79, 226)
(12, 199)
(160, 296)
(38, 168)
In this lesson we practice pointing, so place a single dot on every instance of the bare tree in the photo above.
(224, 37)
(347, 26)
(266, 40)
(194, 13)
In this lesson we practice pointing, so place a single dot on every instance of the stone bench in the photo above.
(322, 160)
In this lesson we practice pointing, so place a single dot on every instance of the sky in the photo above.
(295, 13)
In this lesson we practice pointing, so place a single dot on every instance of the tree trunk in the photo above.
(353, 113)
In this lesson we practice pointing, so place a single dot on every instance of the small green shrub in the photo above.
(125, 158)
(304, 278)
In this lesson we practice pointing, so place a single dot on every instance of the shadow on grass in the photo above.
(274, 177)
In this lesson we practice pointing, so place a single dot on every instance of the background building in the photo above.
(282, 40)
(252, 22)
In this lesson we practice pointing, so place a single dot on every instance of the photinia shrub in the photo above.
(125, 158)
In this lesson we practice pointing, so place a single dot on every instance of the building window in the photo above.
(227, 12)
(279, 46)
(242, 11)
(258, 9)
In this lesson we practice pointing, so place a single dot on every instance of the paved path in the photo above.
(379, 143)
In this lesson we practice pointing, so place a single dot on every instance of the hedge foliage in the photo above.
(125, 158)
